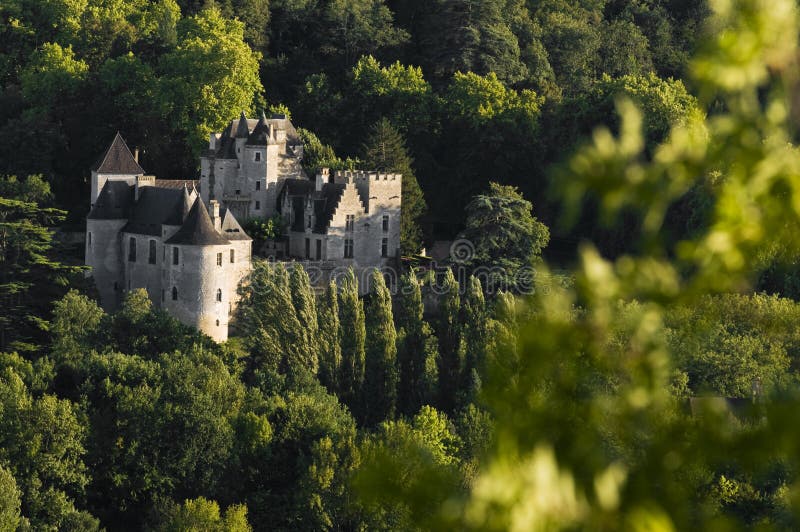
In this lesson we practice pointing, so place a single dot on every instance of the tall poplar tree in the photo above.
(268, 318)
(449, 333)
(417, 352)
(475, 331)
(305, 308)
(330, 338)
(351, 317)
(379, 395)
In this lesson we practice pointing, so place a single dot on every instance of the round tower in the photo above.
(196, 289)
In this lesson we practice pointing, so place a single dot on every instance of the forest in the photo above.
(626, 172)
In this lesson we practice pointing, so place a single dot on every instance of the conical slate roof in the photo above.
(118, 159)
(242, 132)
(198, 230)
(181, 211)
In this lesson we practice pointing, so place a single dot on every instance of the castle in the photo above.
(181, 240)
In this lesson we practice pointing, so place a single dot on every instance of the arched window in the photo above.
(132, 250)
(174, 293)
(151, 258)
(219, 294)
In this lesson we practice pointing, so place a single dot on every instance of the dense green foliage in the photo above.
(475, 92)
(650, 387)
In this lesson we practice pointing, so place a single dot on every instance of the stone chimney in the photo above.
(143, 181)
(212, 141)
(214, 213)
(136, 153)
(323, 177)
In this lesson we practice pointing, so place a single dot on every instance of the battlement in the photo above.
(356, 176)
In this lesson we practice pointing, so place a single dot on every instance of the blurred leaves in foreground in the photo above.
(590, 426)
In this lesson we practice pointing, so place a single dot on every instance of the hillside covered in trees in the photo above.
(479, 91)
(651, 383)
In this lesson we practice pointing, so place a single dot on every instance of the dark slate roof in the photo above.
(258, 131)
(176, 183)
(325, 204)
(299, 187)
(114, 201)
(156, 206)
(325, 201)
(198, 230)
(230, 227)
(118, 159)
(242, 129)
(181, 210)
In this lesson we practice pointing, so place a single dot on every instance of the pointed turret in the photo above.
(242, 132)
(198, 229)
(118, 159)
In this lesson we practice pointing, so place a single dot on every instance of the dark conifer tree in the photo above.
(385, 151)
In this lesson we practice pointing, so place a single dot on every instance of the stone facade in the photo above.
(158, 235)
(336, 221)
(186, 247)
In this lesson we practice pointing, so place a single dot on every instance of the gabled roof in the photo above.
(325, 200)
(176, 183)
(118, 159)
(325, 205)
(114, 201)
(230, 226)
(198, 230)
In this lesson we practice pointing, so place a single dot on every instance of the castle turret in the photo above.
(116, 164)
(198, 289)
(242, 133)
(103, 254)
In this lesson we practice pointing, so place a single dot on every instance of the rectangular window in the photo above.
(348, 248)
(309, 222)
(89, 237)
(384, 247)
(257, 156)
(175, 256)
(385, 224)
(232, 256)
(258, 185)
(258, 205)
(319, 249)
(308, 248)
(132, 250)
(349, 223)
(151, 256)
(219, 259)
(238, 192)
